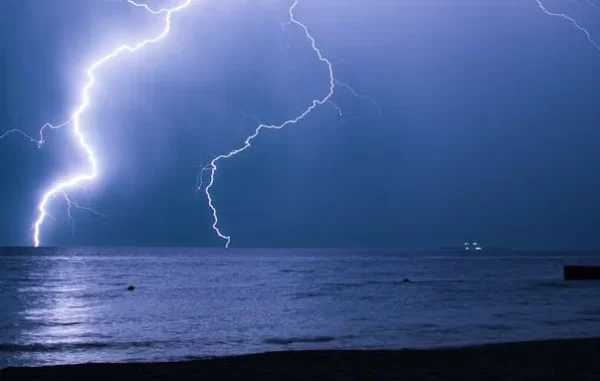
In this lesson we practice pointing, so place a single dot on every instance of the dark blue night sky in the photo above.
(489, 127)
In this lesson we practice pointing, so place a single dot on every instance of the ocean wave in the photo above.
(343, 285)
(509, 314)
(294, 271)
(293, 340)
(372, 298)
(388, 282)
(427, 326)
(306, 295)
(50, 323)
(384, 273)
(556, 284)
(594, 312)
(59, 347)
(571, 322)
(405, 281)
(590, 319)
(495, 327)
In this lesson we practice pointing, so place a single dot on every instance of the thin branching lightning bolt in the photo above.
(356, 94)
(72, 204)
(76, 180)
(572, 20)
(593, 5)
(39, 142)
(337, 108)
(212, 167)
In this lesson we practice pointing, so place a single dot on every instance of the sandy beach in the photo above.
(577, 359)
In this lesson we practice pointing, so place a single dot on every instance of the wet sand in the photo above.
(543, 360)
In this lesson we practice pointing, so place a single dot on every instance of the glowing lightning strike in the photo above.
(212, 167)
(61, 186)
(572, 20)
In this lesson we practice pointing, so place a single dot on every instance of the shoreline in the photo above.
(562, 359)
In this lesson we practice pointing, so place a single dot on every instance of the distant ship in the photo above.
(473, 246)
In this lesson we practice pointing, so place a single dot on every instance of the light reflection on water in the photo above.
(71, 305)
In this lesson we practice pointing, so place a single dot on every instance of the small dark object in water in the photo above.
(406, 280)
(581, 272)
(131, 288)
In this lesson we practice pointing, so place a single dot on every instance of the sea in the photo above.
(72, 305)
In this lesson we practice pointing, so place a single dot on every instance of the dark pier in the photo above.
(581, 272)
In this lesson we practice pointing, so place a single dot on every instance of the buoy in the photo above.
(131, 288)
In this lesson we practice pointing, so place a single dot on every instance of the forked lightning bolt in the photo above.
(570, 19)
(61, 186)
(212, 167)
